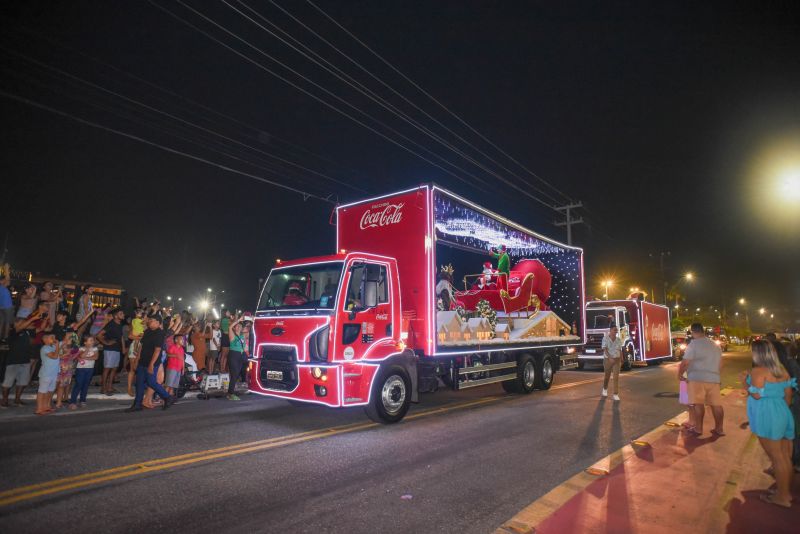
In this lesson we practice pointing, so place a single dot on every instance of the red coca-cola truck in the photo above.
(425, 288)
(643, 327)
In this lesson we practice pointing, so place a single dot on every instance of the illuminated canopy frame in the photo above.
(463, 225)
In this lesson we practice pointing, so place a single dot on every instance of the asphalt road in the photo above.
(446, 468)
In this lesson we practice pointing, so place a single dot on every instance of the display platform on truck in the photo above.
(384, 318)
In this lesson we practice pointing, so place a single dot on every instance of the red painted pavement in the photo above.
(683, 484)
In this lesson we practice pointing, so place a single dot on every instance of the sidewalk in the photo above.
(668, 481)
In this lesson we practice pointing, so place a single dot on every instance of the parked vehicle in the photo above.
(383, 319)
(642, 326)
(680, 340)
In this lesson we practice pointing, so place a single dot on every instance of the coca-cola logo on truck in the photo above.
(382, 215)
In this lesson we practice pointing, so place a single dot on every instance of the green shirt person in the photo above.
(503, 265)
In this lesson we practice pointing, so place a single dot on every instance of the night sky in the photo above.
(663, 119)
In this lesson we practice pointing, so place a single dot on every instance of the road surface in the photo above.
(460, 462)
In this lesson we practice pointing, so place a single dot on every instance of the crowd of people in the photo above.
(63, 353)
(773, 403)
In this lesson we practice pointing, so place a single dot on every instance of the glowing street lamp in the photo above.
(209, 290)
(742, 301)
(204, 305)
(169, 298)
(762, 311)
(689, 276)
(607, 283)
(771, 315)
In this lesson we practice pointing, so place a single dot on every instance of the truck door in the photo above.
(363, 322)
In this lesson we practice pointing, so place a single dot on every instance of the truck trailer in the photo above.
(643, 327)
(425, 288)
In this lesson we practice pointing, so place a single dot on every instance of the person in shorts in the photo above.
(214, 344)
(702, 363)
(111, 338)
(18, 365)
(176, 354)
(48, 374)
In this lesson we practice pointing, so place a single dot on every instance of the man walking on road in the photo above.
(149, 360)
(702, 363)
(612, 358)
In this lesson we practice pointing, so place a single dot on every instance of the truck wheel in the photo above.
(627, 360)
(545, 372)
(526, 374)
(391, 395)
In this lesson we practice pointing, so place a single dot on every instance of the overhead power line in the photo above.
(437, 102)
(332, 69)
(306, 195)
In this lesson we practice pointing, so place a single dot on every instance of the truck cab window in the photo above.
(360, 274)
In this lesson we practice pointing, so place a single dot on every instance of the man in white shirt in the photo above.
(612, 358)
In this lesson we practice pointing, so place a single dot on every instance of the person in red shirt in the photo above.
(176, 354)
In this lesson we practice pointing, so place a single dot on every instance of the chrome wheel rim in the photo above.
(393, 394)
(547, 371)
(528, 374)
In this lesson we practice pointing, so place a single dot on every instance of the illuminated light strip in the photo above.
(369, 389)
(431, 273)
(504, 220)
(584, 326)
(374, 199)
(505, 349)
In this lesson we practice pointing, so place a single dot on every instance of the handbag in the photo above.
(683, 392)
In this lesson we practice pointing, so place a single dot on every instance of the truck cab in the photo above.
(598, 322)
(323, 327)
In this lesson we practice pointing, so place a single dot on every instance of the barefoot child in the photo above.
(48, 374)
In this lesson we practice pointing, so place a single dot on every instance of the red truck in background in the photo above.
(643, 327)
(386, 316)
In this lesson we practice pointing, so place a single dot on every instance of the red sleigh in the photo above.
(528, 289)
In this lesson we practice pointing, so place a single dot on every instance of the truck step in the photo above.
(484, 368)
(484, 381)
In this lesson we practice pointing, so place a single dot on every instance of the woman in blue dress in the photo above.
(770, 395)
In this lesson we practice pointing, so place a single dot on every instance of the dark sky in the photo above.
(658, 117)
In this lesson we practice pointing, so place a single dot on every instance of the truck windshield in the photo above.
(304, 287)
(599, 318)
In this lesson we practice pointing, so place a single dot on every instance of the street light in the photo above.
(169, 298)
(209, 290)
(689, 276)
(771, 315)
(762, 311)
(742, 301)
(607, 283)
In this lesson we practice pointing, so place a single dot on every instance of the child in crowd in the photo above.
(87, 356)
(48, 374)
(135, 347)
(68, 354)
(175, 360)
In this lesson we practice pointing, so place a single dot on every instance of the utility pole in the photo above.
(570, 221)
(661, 256)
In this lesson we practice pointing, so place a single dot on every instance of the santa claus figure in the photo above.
(487, 280)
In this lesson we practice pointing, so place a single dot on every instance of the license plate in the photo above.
(590, 351)
(274, 375)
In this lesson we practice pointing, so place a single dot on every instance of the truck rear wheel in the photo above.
(526, 374)
(391, 395)
(545, 372)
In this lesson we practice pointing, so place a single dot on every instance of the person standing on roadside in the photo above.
(236, 357)
(224, 326)
(149, 362)
(85, 304)
(702, 363)
(18, 366)
(612, 358)
(27, 303)
(769, 389)
(6, 308)
(214, 343)
(113, 347)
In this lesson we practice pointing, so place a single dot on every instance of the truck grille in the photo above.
(278, 369)
(594, 341)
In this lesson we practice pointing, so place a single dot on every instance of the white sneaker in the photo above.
(604, 393)
(616, 397)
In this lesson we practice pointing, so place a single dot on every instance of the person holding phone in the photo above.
(236, 356)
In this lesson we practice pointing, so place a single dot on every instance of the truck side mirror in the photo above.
(370, 294)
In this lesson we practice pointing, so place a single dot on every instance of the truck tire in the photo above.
(526, 374)
(627, 359)
(545, 372)
(391, 395)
